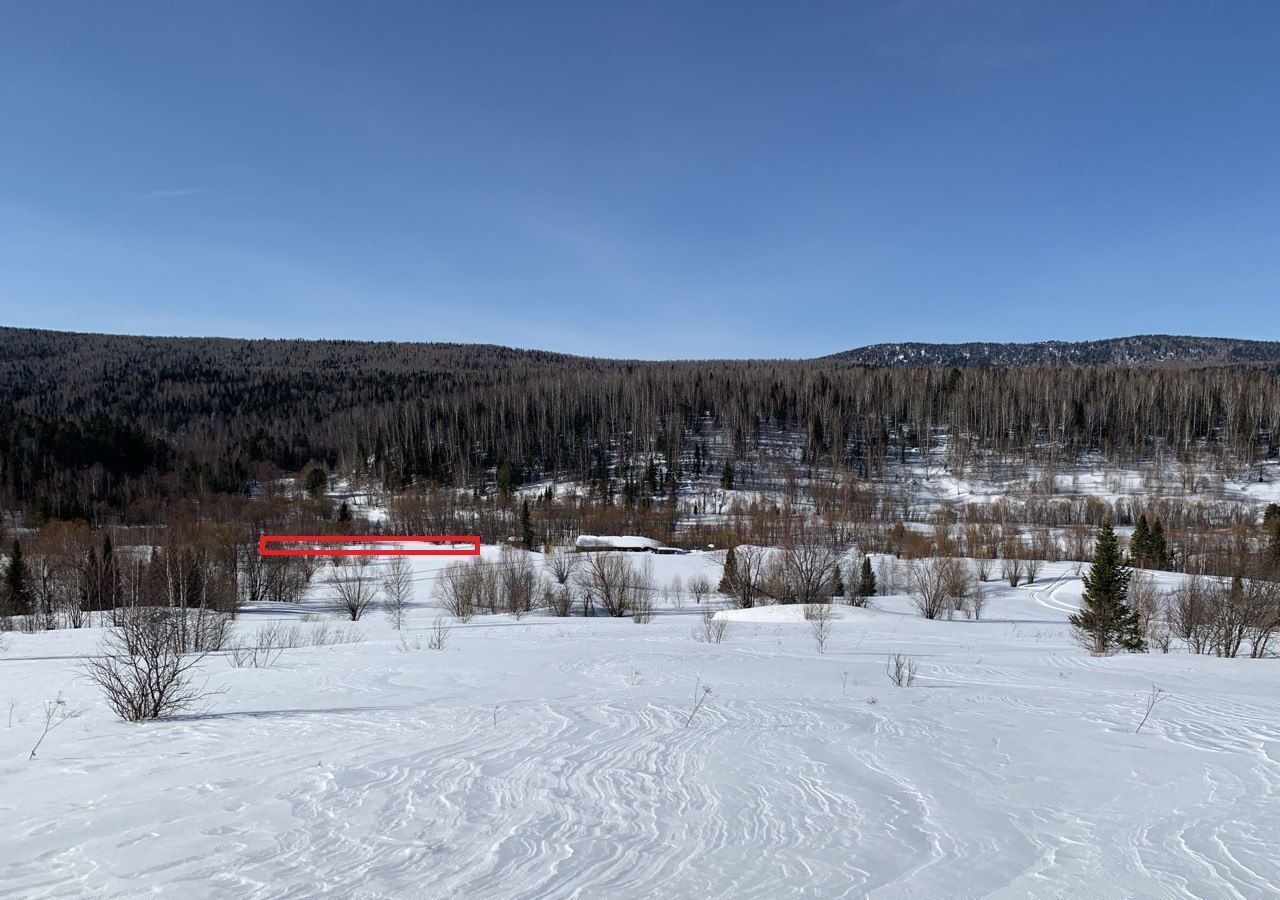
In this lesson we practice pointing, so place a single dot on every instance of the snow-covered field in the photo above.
(555, 758)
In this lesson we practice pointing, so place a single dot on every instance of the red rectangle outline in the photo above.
(265, 550)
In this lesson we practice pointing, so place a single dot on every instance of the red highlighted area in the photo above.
(369, 545)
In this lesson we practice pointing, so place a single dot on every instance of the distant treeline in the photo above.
(105, 427)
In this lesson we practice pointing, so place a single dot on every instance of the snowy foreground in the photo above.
(551, 758)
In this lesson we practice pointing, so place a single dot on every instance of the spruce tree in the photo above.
(867, 579)
(17, 584)
(1105, 623)
(1139, 544)
(508, 480)
(1272, 552)
(1159, 548)
(730, 578)
(1271, 514)
(837, 582)
(526, 525)
(317, 481)
(726, 477)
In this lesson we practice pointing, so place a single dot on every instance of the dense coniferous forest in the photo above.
(92, 425)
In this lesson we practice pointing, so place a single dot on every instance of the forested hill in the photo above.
(1139, 351)
(102, 425)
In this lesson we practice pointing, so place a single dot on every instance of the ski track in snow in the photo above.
(549, 759)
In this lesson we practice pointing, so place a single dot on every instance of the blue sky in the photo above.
(642, 179)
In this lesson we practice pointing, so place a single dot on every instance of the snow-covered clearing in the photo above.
(553, 758)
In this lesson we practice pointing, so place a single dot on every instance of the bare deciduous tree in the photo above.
(805, 569)
(1031, 566)
(613, 582)
(517, 581)
(397, 591)
(1012, 569)
(675, 590)
(939, 585)
(700, 589)
(562, 563)
(1190, 612)
(749, 580)
(355, 585)
(458, 589)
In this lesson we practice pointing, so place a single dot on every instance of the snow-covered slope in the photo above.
(554, 758)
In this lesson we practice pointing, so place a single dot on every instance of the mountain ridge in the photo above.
(1134, 351)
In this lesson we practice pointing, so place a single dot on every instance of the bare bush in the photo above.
(1012, 570)
(458, 589)
(557, 598)
(355, 585)
(330, 636)
(439, 635)
(975, 603)
(642, 608)
(562, 563)
(709, 629)
(268, 644)
(982, 569)
(819, 616)
(201, 630)
(1032, 566)
(614, 582)
(901, 670)
(143, 669)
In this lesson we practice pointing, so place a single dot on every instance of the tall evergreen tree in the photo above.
(837, 582)
(317, 481)
(726, 477)
(1159, 549)
(526, 525)
(18, 600)
(1271, 514)
(867, 579)
(508, 480)
(1105, 623)
(1139, 544)
(1273, 546)
(730, 577)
